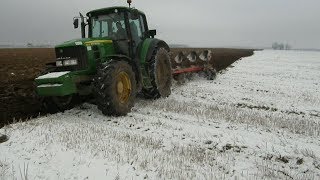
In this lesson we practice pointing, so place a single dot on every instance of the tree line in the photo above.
(281, 46)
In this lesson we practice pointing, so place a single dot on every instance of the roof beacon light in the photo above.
(129, 2)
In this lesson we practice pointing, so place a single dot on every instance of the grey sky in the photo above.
(214, 23)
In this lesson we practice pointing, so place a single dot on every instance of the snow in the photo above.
(259, 119)
(50, 85)
(53, 75)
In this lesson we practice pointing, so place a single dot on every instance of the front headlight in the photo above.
(59, 63)
(70, 62)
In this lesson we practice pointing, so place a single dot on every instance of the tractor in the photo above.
(117, 57)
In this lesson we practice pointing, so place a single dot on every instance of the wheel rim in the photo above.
(123, 87)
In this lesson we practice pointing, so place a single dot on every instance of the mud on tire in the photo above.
(114, 88)
(159, 68)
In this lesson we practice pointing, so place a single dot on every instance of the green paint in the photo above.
(144, 50)
(146, 81)
(105, 48)
(68, 86)
(85, 42)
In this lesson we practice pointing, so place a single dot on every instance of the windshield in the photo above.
(109, 26)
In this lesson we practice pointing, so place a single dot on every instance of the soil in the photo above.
(19, 68)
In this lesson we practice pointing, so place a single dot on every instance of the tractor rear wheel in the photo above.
(159, 67)
(114, 88)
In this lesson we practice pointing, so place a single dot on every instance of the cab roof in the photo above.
(111, 9)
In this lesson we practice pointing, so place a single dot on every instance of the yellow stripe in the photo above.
(98, 42)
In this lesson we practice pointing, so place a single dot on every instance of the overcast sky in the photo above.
(214, 23)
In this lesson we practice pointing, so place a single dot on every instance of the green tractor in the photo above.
(114, 60)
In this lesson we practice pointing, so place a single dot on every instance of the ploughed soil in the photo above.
(19, 68)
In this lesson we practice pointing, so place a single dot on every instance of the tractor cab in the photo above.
(126, 27)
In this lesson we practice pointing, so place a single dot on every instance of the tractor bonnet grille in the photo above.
(76, 52)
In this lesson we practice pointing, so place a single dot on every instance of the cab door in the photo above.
(138, 28)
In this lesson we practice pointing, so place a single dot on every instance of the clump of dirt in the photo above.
(19, 68)
(228, 147)
(283, 159)
(300, 161)
(3, 138)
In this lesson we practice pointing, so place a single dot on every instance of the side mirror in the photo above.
(75, 23)
(152, 33)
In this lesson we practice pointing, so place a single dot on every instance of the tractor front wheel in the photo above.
(59, 103)
(114, 88)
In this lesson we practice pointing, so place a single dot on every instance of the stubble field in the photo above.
(260, 119)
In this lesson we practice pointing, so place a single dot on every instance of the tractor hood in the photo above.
(85, 42)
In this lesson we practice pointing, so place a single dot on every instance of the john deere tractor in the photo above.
(116, 58)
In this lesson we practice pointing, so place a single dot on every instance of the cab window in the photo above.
(100, 27)
(110, 26)
(137, 27)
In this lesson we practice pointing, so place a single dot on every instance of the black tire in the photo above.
(111, 88)
(59, 103)
(159, 68)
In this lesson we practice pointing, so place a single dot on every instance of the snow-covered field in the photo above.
(259, 119)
